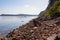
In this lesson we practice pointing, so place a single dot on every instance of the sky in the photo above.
(22, 6)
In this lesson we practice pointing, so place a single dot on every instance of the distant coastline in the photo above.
(17, 15)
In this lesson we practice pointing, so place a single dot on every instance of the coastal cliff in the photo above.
(45, 27)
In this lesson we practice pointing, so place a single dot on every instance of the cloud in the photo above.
(30, 9)
(26, 9)
(26, 5)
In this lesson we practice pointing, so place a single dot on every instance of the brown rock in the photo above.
(1, 36)
(5, 38)
(52, 37)
(35, 27)
(31, 30)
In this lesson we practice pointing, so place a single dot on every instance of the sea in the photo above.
(8, 23)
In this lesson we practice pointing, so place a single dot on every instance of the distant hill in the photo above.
(17, 15)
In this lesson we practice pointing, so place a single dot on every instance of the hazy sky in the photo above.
(22, 6)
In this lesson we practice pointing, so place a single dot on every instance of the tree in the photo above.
(53, 9)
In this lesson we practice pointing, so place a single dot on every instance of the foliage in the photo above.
(53, 10)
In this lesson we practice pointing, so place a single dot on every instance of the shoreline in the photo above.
(36, 29)
(41, 28)
(12, 23)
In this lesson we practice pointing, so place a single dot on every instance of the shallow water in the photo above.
(8, 23)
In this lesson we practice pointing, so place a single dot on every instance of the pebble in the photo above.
(52, 37)
(46, 31)
(35, 27)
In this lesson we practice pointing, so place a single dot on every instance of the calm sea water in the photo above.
(8, 23)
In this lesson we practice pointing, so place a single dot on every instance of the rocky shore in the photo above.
(46, 27)
(37, 29)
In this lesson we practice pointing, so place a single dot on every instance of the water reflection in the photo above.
(8, 23)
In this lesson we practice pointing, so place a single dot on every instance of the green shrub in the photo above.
(54, 10)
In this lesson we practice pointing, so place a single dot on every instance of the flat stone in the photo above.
(35, 28)
(31, 30)
(52, 37)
